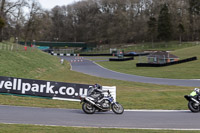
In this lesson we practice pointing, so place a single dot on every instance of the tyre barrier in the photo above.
(121, 59)
(165, 64)
(140, 54)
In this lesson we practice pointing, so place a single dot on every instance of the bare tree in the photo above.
(7, 11)
(33, 19)
(105, 21)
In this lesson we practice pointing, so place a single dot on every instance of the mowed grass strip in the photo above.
(20, 128)
(189, 70)
(162, 46)
(138, 47)
(131, 95)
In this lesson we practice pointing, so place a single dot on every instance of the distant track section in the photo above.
(91, 68)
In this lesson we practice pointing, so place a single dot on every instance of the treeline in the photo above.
(102, 21)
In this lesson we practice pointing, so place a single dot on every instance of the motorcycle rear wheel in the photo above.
(117, 108)
(192, 107)
(88, 108)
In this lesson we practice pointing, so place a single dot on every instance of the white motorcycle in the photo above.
(103, 105)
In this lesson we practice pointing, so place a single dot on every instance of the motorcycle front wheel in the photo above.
(117, 108)
(193, 107)
(88, 108)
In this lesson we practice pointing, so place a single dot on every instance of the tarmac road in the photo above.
(91, 68)
(130, 119)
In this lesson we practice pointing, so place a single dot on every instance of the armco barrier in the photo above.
(48, 89)
(60, 54)
(121, 59)
(140, 54)
(165, 64)
(95, 54)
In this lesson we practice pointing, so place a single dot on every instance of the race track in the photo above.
(89, 67)
(76, 118)
(134, 119)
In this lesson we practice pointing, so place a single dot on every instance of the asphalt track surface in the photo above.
(86, 66)
(184, 120)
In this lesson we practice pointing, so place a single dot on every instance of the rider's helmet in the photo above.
(97, 86)
(196, 89)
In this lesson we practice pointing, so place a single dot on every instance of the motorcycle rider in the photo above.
(96, 92)
(195, 92)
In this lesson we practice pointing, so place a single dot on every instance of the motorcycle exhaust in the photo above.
(87, 99)
(90, 101)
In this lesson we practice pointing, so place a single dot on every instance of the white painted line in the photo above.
(176, 129)
(126, 110)
(182, 129)
(144, 110)
(138, 75)
(152, 128)
(66, 99)
(35, 107)
(113, 71)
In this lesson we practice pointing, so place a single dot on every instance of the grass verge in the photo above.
(20, 128)
(162, 46)
(138, 47)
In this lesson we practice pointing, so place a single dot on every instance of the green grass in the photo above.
(20, 128)
(162, 46)
(189, 70)
(138, 47)
(25, 64)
